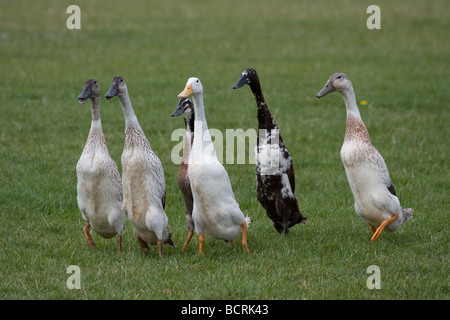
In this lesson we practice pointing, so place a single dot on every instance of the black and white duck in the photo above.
(274, 167)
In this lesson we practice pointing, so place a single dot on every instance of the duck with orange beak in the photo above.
(215, 210)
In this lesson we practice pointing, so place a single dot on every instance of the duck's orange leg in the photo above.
(190, 234)
(143, 245)
(201, 239)
(87, 234)
(382, 226)
(372, 228)
(244, 236)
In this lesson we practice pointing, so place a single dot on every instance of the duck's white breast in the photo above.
(368, 179)
(99, 190)
(215, 207)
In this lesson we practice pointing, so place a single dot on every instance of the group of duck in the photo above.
(104, 198)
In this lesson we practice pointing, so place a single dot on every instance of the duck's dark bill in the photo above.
(113, 91)
(242, 80)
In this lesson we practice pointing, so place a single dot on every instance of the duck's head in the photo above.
(91, 90)
(193, 86)
(248, 76)
(337, 82)
(185, 106)
(118, 86)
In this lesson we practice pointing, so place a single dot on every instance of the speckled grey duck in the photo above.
(185, 107)
(99, 188)
(274, 167)
(375, 197)
(143, 184)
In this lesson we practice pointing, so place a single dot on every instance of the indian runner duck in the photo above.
(215, 208)
(376, 201)
(143, 184)
(274, 167)
(186, 107)
(99, 188)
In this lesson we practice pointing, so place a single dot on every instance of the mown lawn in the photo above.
(402, 72)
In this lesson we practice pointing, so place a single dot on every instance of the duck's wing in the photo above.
(290, 166)
(163, 200)
(291, 176)
(116, 180)
(383, 171)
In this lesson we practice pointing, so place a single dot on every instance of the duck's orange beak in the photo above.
(186, 92)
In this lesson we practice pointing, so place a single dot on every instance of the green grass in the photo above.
(402, 71)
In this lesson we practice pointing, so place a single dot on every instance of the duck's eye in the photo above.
(339, 77)
(197, 81)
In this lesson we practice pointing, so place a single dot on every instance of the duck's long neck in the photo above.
(189, 121)
(96, 139)
(128, 112)
(134, 135)
(96, 123)
(350, 103)
(265, 118)
(200, 125)
(355, 127)
(203, 147)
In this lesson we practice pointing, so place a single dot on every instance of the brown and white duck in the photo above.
(99, 188)
(274, 167)
(376, 201)
(185, 107)
(144, 188)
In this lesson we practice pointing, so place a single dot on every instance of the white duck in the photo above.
(375, 197)
(215, 208)
(186, 108)
(144, 189)
(99, 189)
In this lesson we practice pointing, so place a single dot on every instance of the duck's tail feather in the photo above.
(407, 213)
(248, 220)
